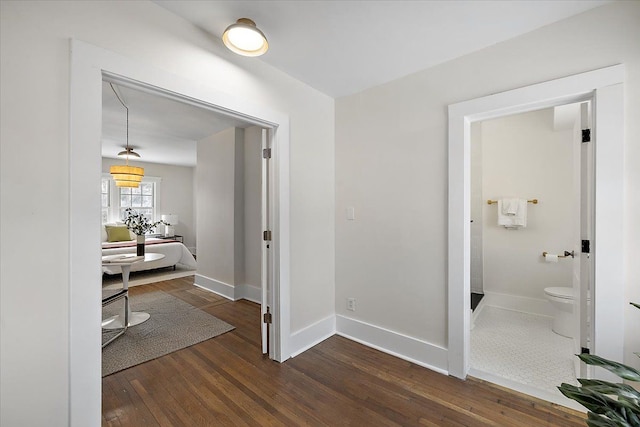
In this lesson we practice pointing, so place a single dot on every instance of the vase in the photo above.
(140, 244)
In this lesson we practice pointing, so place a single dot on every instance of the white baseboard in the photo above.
(411, 349)
(248, 292)
(312, 335)
(234, 293)
(223, 289)
(538, 306)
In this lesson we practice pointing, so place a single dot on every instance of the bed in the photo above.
(174, 253)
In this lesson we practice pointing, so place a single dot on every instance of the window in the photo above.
(106, 200)
(144, 199)
(141, 199)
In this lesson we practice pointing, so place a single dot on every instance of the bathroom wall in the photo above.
(476, 209)
(523, 156)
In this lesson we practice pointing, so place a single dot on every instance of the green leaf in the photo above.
(635, 305)
(595, 402)
(595, 420)
(606, 387)
(600, 403)
(623, 371)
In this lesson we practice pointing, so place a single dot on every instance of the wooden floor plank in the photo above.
(226, 381)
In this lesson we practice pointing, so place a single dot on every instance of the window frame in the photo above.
(114, 207)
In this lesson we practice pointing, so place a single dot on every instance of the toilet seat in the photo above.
(560, 292)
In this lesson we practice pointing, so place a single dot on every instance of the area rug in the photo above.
(173, 325)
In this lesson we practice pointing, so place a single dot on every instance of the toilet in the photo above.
(561, 299)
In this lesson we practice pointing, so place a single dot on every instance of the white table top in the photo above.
(120, 259)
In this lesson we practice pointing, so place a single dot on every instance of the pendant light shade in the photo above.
(128, 152)
(125, 175)
(245, 39)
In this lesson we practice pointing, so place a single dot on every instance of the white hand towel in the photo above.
(520, 219)
(513, 222)
(510, 206)
(504, 219)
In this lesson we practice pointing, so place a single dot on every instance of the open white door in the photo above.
(266, 283)
(583, 265)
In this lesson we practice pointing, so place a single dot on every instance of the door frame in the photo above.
(604, 88)
(89, 65)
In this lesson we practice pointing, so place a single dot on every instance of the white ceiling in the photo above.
(337, 47)
(161, 130)
(343, 47)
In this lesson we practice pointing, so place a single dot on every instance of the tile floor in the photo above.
(522, 347)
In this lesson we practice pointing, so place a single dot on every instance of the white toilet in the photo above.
(562, 300)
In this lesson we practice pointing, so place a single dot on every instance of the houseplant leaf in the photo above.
(623, 371)
(606, 387)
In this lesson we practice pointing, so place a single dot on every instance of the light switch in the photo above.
(351, 213)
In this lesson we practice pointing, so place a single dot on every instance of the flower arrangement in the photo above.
(138, 223)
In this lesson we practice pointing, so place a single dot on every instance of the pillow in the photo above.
(117, 233)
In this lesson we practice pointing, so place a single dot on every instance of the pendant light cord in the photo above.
(127, 109)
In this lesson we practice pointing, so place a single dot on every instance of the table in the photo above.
(135, 317)
(176, 237)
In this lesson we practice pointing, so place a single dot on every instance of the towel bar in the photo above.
(493, 202)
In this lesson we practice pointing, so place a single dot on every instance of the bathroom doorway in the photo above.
(525, 247)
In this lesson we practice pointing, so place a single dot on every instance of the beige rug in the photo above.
(174, 325)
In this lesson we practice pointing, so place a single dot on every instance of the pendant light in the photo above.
(125, 175)
(128, 152)
(245, 39)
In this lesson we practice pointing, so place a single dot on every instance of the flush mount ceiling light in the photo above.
(244, 38)
(125, 175)
(128, 152)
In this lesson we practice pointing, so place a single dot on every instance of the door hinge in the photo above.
(266, 153)
(586, 246)
(266, 235)
(586, 135)
(266, 318)
(585, 350)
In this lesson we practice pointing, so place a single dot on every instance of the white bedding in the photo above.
(174, 252)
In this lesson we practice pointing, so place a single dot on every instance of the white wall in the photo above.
(34, 128)
(217, 213)
(229, 194)
(176, 194)
(523, 156)
(391, 164)
(253, 206)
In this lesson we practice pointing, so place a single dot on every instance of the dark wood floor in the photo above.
(225, 381)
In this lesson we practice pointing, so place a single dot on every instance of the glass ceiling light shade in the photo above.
(128, 152)
(125, 175)
(245, 39)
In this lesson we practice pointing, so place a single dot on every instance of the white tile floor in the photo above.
(521, 347)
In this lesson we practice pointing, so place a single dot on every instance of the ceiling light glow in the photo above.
(244, 38)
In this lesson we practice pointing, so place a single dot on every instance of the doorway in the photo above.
(525, 246)
(179, 145)
(89, 65)
(604, 88)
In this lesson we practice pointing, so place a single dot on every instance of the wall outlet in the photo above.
(351, 304)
